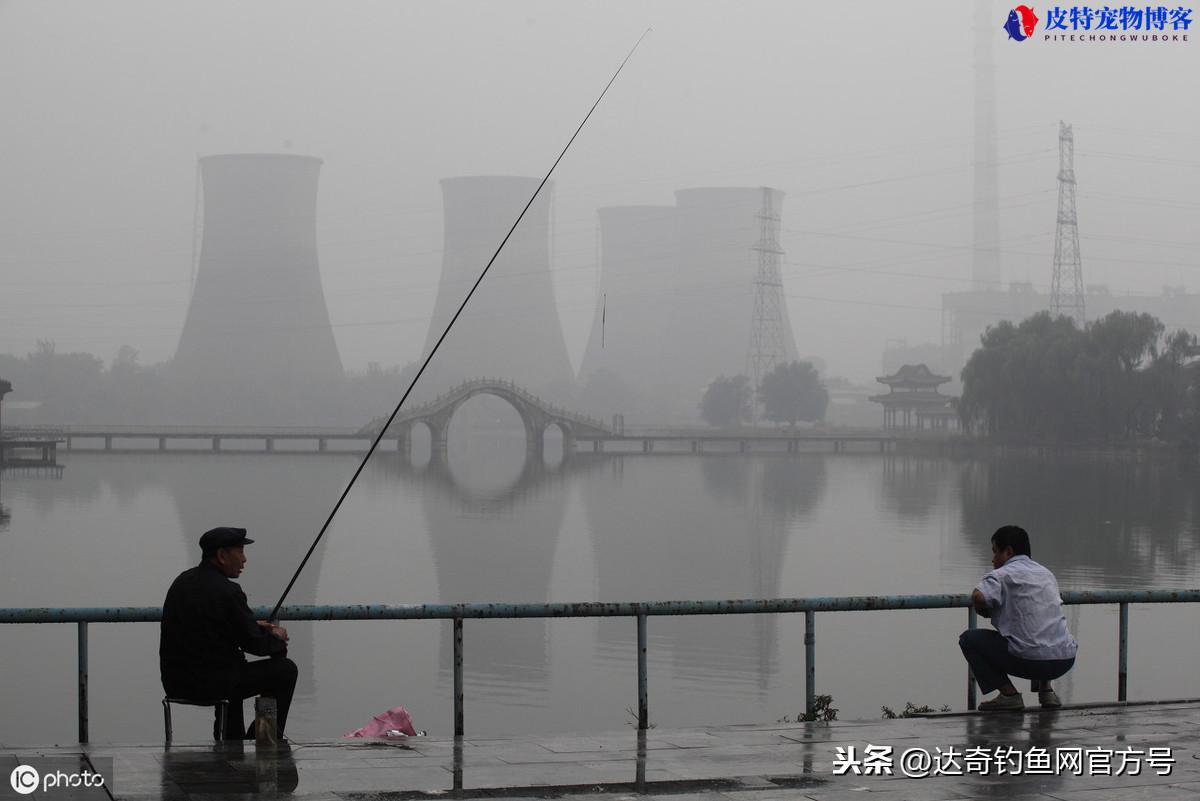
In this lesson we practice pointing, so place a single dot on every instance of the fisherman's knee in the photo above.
(287, 669)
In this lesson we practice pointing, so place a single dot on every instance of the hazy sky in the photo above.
(862, 113)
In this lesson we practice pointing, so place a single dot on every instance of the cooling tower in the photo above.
(637, 270)
(257, 315)
(713, 298)
(510, 329)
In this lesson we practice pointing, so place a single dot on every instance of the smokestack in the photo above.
(985, 217)
(257, 313)
(510, 329)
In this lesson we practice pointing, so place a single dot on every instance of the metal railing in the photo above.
(457, 613)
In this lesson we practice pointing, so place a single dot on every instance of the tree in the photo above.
(726, 401)
(1047, 380)
(793, 392)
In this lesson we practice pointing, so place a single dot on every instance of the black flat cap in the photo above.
(223, 537)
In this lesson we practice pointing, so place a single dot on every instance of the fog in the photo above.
(862, 114)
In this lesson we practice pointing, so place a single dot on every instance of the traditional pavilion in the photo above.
(913, 400)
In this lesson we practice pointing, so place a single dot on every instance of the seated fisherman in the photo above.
(1030, 639)
(207, 629)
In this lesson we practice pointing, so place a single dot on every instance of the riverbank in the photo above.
(1124, 752)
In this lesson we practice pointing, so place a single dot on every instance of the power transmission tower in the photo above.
(1066, 287)
(766, 327)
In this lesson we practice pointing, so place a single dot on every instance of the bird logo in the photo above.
(1021, 22)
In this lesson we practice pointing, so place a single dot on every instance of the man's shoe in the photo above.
(1004, 703)
(1049, 699)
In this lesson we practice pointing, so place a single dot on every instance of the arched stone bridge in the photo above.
(536, 414)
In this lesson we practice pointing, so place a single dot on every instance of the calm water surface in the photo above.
(115, 529)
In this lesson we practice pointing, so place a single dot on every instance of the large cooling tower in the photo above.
(713, 298)
(637, 271)
(258, 312)
(511, 328)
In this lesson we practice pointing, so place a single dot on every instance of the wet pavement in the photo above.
(1075, 754)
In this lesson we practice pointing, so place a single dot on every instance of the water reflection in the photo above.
(1112, 521)
(486, 525)
(912, 485)
(493, 541)
(227, 770)
(5, 515)
(661, 534)
(1021, 733)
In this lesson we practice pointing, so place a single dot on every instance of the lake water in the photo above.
(115, 529)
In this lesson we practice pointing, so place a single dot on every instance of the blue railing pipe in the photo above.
(459, 695)
(1123, 652)
(810, 664)
(457, 613)
(82, 652)
(643, 677)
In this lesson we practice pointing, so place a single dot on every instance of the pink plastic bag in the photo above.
(395, 722)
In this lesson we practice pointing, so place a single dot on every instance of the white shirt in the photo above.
(1027, 610)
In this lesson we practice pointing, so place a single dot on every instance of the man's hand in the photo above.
(980, 604)
(278, 631)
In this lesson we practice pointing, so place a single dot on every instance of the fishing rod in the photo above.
(383, 429)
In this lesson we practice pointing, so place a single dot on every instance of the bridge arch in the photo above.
(535, 413)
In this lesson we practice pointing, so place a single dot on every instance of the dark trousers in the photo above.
(272, 678)
(987, 653)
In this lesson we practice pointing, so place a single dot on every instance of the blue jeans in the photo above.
(987, 653)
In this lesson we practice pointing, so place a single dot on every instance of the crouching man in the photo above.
(1030, 639)
(207, 630)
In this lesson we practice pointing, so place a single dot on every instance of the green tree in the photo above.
(1047, 380)
(793, 392)
(726, 401)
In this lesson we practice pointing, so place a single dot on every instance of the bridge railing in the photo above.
(32, 432)
(204, 431)
(520, 392)
(641, 611)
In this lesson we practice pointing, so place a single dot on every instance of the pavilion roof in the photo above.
(913, 375)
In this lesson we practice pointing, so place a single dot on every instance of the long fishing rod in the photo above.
(379, 437)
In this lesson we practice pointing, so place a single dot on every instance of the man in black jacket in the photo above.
(208, 628)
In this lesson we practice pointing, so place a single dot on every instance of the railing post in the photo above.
(643, 682)
(458, 677)
(83, 681)
(972, 623)
(1123, 657)
(810, 664)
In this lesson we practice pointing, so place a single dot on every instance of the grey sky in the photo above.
(861, 113)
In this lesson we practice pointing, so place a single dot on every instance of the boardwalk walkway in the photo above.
(735, 763)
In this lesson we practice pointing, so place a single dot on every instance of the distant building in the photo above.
(938, 358)
(913, 400)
